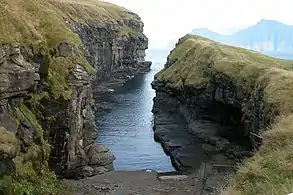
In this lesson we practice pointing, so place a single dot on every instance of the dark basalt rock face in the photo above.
(17, 77)
(219, 101)
(113, 54)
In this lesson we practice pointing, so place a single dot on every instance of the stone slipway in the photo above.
(134, 183)
(148, 183)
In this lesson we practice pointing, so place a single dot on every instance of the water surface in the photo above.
(127, 129)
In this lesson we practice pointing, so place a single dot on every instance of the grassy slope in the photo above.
(44, 21)
(270, 170)
(42, 25)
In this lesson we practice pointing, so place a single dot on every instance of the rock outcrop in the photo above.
(51, 54)
(115, 49)
(235, 86)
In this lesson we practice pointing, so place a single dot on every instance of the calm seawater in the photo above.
(127, 129)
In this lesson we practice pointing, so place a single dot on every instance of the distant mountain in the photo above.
(267, 36)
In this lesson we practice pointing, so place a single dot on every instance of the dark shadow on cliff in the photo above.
(230, 118)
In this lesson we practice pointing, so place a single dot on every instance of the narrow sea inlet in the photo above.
(128, 128)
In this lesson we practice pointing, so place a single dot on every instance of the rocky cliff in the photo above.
(116, 49)
(50, 54)
(234, 86)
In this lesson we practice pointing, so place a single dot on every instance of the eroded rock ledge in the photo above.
(203, 79)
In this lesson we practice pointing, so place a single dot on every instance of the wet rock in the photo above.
(219, 114)
(91, 132)
(114, 57)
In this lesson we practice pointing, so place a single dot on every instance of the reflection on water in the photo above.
(127, 129)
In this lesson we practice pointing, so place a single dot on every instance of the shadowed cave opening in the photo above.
(230, 117)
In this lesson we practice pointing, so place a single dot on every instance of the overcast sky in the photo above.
(166, 20)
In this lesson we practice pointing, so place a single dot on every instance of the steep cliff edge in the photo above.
(237, 86)
(50, 54)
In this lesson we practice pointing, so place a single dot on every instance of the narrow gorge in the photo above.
(222, 115)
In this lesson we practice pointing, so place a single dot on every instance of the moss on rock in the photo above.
(30, 174)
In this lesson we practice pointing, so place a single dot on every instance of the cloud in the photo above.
(166, 20)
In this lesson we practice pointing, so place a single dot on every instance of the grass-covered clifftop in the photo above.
(45, 21)
(198, 62)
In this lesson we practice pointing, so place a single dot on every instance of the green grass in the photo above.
(270, 170)
(195, 52)
(45, 21)
(196, 61)
(45, 182)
